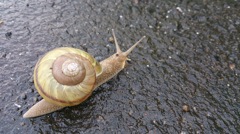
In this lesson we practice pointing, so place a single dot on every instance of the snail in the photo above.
(67, 76)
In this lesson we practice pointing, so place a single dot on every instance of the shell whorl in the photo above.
(68, 69)
(66, 76)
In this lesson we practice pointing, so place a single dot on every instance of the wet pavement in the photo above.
(184, 78)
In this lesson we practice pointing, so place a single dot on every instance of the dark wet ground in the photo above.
(190, 57)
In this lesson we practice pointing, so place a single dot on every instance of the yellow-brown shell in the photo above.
(66, 76)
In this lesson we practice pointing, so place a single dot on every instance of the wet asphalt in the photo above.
(183, 78)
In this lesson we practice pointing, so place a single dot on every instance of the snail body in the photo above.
(67, 76)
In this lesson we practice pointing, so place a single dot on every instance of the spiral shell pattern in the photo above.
(66, 76)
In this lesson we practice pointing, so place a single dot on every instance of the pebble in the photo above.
(194, 109)
(232, 66)
(35, 99)
(3, 55)
(155, 122)
(17, 105)
(23, 96)
(130, 112)
(8, 35)
(186, 108)
(22, 124)
(183, 132)
(111, 39)
(100, 119)
(99, 58)
(1, 22)
(31, 80)
(133, 92)
(136, 1)
(29, 90)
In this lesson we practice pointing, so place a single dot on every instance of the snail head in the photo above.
(120, 55)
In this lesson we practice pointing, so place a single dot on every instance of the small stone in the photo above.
(183, 132)
(1, 22)
(29, 90)
(136, 1)
(99, 58)
(133, 92)
(100, 119)
(111, 39)
(3, 55)
(130, 112)
(22, 124)
(31, 80)
(155, 122)
(23, 96)
(8, 56)
(17, 105)
(194, 109)
(186, 108)
(183, 120)
(232, 66)
(35, 99)
(179, 9)
(208, 114)
(8, 35)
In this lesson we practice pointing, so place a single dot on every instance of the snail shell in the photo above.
(66, 76)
